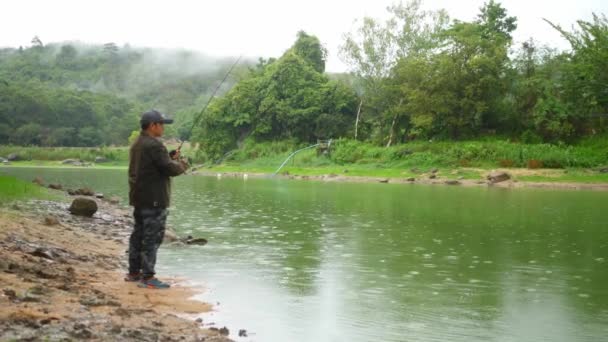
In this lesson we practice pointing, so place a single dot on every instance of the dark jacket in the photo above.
(149, 170)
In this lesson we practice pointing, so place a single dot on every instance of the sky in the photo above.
(249, 27)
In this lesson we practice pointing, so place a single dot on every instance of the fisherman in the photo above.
(150, 169)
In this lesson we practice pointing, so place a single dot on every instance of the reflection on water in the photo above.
(306, 261)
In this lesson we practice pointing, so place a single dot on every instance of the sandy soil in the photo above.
(61, 278)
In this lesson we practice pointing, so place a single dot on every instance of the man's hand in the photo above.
(175, 154)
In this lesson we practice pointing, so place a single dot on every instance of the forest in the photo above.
(416, 76)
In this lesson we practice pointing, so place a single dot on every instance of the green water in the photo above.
(308, 261)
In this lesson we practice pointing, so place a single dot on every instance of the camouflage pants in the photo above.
(146, 237)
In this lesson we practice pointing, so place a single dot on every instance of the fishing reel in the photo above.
(173, 156)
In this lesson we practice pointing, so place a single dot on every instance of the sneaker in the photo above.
(153, 283)
(133, 277)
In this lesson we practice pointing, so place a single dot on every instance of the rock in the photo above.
(44, 253)
(242, 333)
(13, 157)
(55, 186)
(100, 160)
(195, 241)
(6, 162)
(452, 182)
(199, 320)
(434, 171)
(10, 293)
(498, 176)
(70, 161)
(3, 160)
(415, 170)
(51, 220)
(224, 331)
(114, 200)
(82, 206)
(432, 176)
(604, 170)
(383, 180)
(85, 192)
(411, 179)
(99, 195)
(38, 180)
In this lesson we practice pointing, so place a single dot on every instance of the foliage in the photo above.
(288, 98)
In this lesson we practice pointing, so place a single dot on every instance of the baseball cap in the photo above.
(155, 116)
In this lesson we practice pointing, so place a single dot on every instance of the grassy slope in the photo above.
(12, 189)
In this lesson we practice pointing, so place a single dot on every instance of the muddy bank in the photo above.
(428, 178)
(61, 278)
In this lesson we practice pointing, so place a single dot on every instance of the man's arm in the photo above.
(163, 162)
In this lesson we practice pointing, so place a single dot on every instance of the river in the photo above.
(313, 261)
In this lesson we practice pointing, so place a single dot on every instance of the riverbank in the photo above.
(61, 277)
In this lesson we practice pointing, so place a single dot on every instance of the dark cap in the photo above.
(155, 116)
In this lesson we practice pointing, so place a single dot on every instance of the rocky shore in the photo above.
(61, 279)
(426, 178)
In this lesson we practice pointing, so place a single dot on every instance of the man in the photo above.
(150, 169)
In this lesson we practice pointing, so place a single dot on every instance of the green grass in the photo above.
(12, 189)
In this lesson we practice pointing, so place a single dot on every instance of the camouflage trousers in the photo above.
(145, 240)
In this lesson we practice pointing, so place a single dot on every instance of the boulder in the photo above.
(82, 206)
(101, 160)
(498, 176)
(452, 182)
(411, 179)
(13, 157)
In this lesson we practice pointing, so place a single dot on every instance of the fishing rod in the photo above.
(200, 114)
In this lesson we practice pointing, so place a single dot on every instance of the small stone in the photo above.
(385, 180)
(99, 195)
(38, 180)
(50, 220)
(199, 320)
(452, 182)
(411, 179)
(498, 176)
(224, 331)
(433, 176)
(56, 186)
(434, 171)
(242, 333)
(114, 200)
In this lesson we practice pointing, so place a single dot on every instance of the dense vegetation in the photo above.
(420, 76)
(70, 94)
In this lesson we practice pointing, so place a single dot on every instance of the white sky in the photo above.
(250, 27)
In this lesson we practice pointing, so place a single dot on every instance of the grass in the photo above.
(12, 189)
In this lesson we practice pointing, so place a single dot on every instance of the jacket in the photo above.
(150, 169)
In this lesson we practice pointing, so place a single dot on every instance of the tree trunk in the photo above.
(390, 138)
(357, 121)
